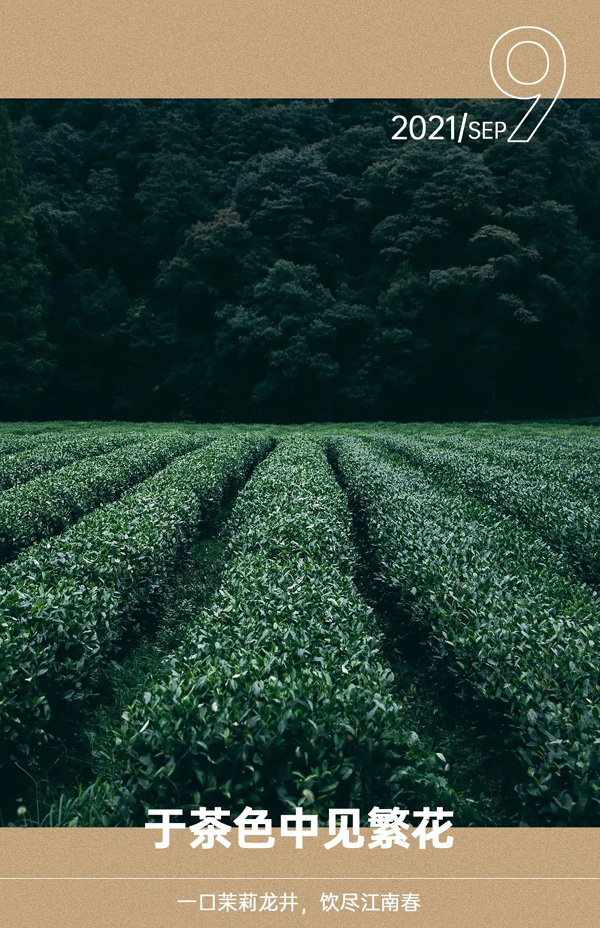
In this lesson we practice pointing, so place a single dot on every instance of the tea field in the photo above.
(274, 616)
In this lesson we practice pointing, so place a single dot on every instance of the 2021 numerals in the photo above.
(455, 128)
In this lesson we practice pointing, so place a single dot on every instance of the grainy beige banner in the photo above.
(490, 878)
(280, 48)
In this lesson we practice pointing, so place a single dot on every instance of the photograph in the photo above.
(299, 461)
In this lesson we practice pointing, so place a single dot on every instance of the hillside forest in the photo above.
(287, 261)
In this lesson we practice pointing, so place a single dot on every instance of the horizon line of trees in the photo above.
(286, 261)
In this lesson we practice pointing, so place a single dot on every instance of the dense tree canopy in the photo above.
(288, 261)
(24, 361)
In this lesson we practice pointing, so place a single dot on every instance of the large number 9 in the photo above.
(549, 84)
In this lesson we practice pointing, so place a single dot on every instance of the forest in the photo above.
(287, 261)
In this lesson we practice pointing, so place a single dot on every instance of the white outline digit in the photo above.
(532, 96)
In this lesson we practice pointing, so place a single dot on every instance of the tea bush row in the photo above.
(567, 519)
(280, 694)
(566, 463)
(48, 504)
(65, 603)
(64, 449)
(505, 614)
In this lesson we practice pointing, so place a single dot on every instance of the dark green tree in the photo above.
(286, 259)
(24, 353)
(282, 344)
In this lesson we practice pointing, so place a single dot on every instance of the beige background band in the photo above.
(277, 48)
(541, 877)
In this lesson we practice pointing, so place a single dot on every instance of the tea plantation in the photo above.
(274, 616)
